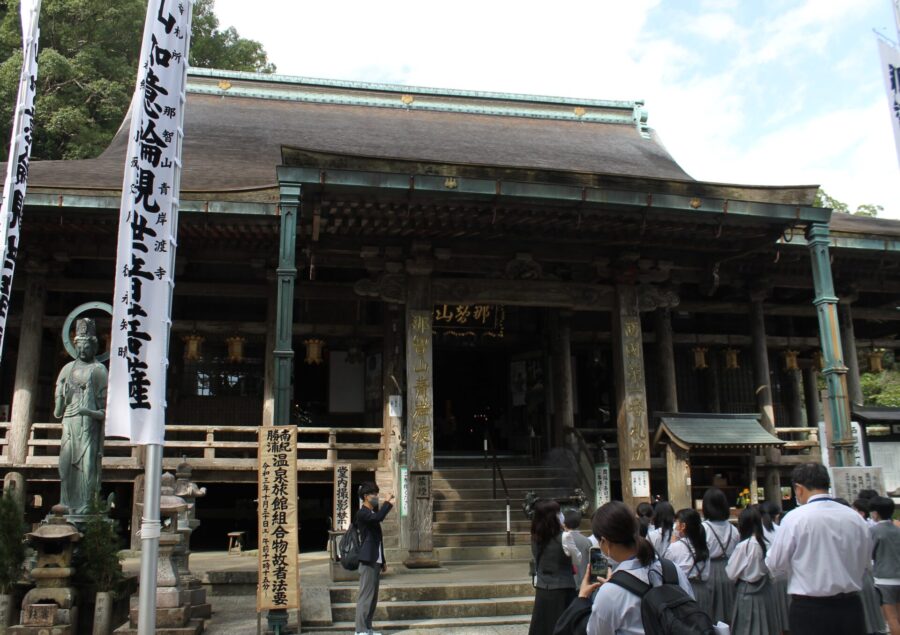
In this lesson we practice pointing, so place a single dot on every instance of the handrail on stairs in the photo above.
(497, 469)
(584, 461)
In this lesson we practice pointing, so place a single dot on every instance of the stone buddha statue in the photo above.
(81, 403)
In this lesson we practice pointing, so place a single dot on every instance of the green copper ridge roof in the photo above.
(711, 431)
(339, 92)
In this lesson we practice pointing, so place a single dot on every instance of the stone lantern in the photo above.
(52, 605)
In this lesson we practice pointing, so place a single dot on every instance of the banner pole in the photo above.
(150, 530)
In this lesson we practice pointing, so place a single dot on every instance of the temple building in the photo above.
(431, 280)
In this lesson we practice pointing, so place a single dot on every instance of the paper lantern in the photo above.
(700, 358)
(314, 349)
(732, 361)
(235, 349)
(790, 360)
(192, 347)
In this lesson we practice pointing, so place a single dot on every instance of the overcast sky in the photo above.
(741, 91)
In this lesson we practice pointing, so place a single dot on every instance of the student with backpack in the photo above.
(721, 539)
(660, 536)
(642, 595)
(690, 553)
(755, 611)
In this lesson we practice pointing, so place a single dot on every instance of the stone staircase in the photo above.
(436, 607)
(470, 523)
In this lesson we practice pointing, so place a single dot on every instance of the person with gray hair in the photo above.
(824, 548)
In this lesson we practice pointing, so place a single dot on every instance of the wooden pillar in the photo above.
(28, 363)
(393, 377)
(711, 377)
(851, 358)
(763, 389)
(794, 398)
(420, 421)
(563, 401)
(811, 396)
(631, 394)
(665, 351)
(678, 476)
(268, 414)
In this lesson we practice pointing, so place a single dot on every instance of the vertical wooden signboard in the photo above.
(342, 511)
(278, 586)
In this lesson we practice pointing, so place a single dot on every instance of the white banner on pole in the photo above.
(890, 70)
(148, 225)
(19, 157)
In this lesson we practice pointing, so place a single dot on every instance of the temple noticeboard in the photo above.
(278, 586)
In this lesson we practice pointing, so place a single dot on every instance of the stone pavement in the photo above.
(233, 586)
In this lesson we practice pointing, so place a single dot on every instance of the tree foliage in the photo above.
(824, 200)
(88, 64)
(97, 561)
(12, 545)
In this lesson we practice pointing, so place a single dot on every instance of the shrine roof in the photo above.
(237, 124)
(715, 431)
(876, 414)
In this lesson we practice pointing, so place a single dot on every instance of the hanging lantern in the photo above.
(314, 349)
(819, 360)
(700, 358)
(732, 361)
(790, 360)
(875, 360)
(192, 344)
(235, 349)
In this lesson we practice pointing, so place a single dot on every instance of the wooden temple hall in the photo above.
(413, 275)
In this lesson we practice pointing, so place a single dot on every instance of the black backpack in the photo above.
(348, 549)
(666, 609)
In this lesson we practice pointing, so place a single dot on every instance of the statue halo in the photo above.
(73, 315)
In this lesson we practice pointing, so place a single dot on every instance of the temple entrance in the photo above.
(471, 394)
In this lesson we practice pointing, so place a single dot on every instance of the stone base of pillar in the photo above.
(421, 560)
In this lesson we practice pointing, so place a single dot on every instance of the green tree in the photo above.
(97, 561)
(12, 546)
(88, 65)
(824, 200)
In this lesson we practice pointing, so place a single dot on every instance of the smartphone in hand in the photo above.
(599, 565)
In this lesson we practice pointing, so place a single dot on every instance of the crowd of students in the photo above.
(823, 568)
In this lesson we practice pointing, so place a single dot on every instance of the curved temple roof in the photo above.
(237, 123)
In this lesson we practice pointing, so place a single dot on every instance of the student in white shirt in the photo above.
(660, 535)
(615, 610)
(754, 601)
(825, 548)
(721, 539)
(690, 553)
(886, 553)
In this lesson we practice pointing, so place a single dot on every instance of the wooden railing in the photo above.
(215, 447)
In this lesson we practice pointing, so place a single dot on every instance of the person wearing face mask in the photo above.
(616, 610)
(824, 547)
(554, 583)
(371, 554)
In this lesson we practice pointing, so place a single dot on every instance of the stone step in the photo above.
(427, 609)
(478, 504)
(508, 472)
(469, 553)
(497, 515)
(517, 522)
(523, 482)
(489, 538)
(514, 494)
(438, 625)
(457, 591)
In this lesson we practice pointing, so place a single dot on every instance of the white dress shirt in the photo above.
(660, 539)
(726, 534)
(770, 534)
(682, 553)
(617, 611)
(747, 563)
(823, 547)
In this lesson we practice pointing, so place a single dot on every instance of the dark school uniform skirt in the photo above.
(754, 609)
(871, 602)
(721, 591)
(549, 604)
(701, 594)
(782, 601)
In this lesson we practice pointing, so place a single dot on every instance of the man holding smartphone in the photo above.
(371, 554)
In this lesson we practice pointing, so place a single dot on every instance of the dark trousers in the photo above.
(369, 579)
(835, 615)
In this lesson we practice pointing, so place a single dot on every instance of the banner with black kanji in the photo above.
(148, 225)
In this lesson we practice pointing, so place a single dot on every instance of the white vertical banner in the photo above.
(890, 71)
(19, 157)
(148, 225)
